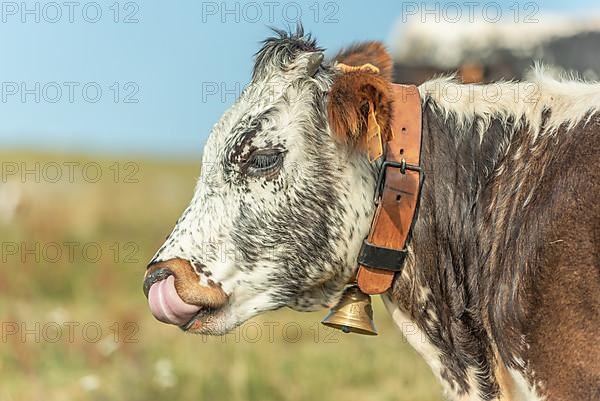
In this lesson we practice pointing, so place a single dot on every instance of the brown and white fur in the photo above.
(503, 278)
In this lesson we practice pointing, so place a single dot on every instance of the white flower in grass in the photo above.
(58, 315)
(163, 374)
(90, 382)
(108, 345)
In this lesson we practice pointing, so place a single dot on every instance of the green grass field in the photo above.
(76, 326)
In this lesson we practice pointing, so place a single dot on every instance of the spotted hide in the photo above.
(501, 288)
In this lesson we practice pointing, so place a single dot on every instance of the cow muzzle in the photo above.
(175, 294)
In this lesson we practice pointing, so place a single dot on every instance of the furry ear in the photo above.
(367, 53)
(359, 107)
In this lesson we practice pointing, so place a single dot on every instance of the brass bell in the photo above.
(353, 313)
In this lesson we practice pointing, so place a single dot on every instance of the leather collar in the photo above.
(399, 183)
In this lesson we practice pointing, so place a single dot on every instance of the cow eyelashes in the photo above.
(264, 162)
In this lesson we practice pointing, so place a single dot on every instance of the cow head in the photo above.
(285, 196)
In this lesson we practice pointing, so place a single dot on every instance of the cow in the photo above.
(502, 277)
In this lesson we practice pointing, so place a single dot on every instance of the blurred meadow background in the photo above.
(85, 331)
(92, 181)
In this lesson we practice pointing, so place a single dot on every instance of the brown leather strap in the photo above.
(399, 198)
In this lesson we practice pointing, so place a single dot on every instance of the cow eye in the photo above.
(264, 162)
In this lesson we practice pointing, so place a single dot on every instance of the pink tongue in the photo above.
(167, 306)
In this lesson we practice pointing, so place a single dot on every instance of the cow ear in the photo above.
(359, 110)
(363, 53)
(359, 104)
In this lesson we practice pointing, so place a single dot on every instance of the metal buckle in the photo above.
(402, 165)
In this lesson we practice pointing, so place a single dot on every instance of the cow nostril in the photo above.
(154, 277)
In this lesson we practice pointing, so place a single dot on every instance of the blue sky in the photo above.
(79, 80)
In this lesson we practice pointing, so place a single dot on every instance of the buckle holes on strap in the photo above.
(401, 151)
(398, 197)
(404, 130)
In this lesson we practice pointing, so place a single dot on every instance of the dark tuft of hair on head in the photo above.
(282, 48)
